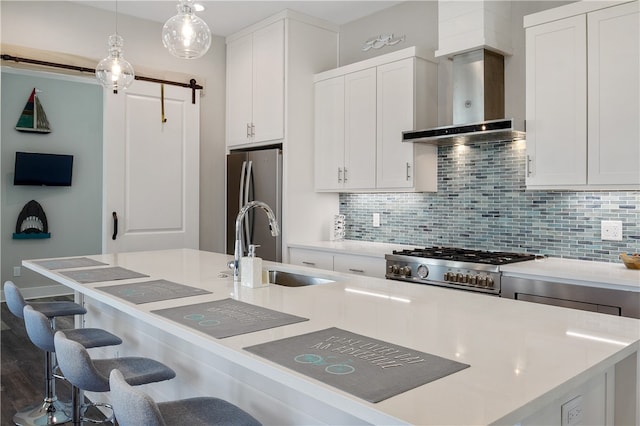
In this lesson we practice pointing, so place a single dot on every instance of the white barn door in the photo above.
(151, 169)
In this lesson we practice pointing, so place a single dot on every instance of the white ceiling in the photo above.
(226, 17)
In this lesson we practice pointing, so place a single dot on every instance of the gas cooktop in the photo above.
(474, 270)
(466, 255)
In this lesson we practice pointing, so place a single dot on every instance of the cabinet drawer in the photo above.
(360, 265)
(311, 258)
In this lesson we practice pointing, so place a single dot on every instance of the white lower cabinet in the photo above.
(311, 258)
(360, 265)
(348, 263)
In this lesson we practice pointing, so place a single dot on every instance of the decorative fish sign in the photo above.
(381, 41)
(33, 118)
(32, 222)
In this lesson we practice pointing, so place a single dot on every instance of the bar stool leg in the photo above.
(77, 399)
(50, 411)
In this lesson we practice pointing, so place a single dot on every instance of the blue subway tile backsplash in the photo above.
(482, 203)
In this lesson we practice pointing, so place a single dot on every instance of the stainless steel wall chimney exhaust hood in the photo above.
(478, 104)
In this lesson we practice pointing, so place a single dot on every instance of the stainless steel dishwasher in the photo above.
(587, 298)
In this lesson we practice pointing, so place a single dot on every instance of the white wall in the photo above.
(76, 32)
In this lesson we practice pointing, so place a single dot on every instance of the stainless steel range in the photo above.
(474, 270)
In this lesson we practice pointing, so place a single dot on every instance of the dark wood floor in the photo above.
(22, 367)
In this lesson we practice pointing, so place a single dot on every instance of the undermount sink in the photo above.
(289, 279)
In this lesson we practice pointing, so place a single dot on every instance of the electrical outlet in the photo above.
(376, 220)
(572, 412)
(17, 271)
(611, 230)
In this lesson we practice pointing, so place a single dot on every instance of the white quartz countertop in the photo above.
(362, 248)
(570, 271)
(521, 355)
(579, 272)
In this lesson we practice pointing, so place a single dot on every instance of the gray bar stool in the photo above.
(41, 335)
(133, 407)
(50, 411)
(86, 374)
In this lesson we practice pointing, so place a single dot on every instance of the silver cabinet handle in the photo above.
(248, 130)
(339, 175)
(253, 130)
(308, 263)
(408, 175)
(360, 271)
(345, 175)
(529, 166)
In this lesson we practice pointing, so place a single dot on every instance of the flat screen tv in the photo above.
(43, 169)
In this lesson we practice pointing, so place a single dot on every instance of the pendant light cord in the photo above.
(116, 17)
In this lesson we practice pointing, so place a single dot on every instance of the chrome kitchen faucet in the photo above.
(238, 249)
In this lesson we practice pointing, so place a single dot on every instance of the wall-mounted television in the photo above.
(43, 169)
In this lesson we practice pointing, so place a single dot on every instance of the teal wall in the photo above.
(74, 111)
(482, 203)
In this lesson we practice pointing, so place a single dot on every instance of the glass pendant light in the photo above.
(185, 35)
(114, 72)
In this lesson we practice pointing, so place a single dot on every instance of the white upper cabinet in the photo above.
(361, 111)
(556, 105)
(360, 129)
(345, 126)
(255, 86)
(582, 103)
(329, 133)
(614, 95)
(404, 104)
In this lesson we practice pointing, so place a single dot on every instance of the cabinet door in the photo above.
(268, 83)
(239, 90)
(556, 104)
(329, 134)
(396, 113)
(614, 127)
(311, 258)
(360, 130)
(359, 265)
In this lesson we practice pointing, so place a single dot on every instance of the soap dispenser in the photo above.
(251, 268)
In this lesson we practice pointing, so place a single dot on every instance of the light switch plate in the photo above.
(376, 220)
(572, 412)
(611, 230)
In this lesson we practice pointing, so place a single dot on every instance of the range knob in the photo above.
(473, 280)
(482, 281)
(423, 272)
(405, 271)
(490, 282)
(458, 277)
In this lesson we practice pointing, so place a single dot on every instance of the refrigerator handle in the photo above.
(247, 194)
(243, 174)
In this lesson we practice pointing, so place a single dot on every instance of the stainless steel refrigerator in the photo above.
(255, 175)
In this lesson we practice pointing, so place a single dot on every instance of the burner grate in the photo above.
(467, 255)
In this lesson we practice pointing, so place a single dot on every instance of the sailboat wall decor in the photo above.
(33, 118)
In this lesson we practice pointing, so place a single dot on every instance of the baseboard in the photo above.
(40, 292)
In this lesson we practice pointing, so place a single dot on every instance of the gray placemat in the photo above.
(152, 291)
(113, 273)
(227, 317)
(76, 262)
(368, 368)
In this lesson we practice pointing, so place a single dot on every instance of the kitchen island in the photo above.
(525, 360)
